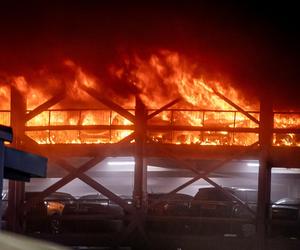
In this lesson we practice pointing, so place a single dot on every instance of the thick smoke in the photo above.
(252, 47)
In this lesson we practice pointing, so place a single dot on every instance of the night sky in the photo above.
(254, 45)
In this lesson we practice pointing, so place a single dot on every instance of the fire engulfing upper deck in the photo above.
(82, 109)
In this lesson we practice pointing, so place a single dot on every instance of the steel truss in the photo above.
(262, 148)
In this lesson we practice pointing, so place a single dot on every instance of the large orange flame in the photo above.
(159, 79)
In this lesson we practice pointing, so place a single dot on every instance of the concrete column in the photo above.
(140, 171)
(16, 189)
(264, 175)
(2, 148)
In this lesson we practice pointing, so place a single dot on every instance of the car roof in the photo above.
(92, 196)
(288, 201)
(231, 188)
(172, 197)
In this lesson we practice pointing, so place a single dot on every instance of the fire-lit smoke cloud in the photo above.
(167, 75)
(158, 79)
(249, 45)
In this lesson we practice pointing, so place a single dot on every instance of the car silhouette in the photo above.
(221, 214)
(92, 213)
(45, 215)
(286, 217)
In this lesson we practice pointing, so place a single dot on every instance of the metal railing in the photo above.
(174, 126)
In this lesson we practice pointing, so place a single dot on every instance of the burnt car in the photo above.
(92, 213)
(45, 215)
(215, 207)
(285, 215)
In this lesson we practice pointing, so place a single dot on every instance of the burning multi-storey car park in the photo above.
(156, 136)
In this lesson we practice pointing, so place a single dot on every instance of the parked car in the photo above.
(212, 202)
(214, 207)
(45, 215)
(90, 213)
(96, 204)
(286, 208)
(166, 213)
(286, 217)
(176, 205)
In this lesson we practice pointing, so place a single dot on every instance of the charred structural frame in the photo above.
(142, 147)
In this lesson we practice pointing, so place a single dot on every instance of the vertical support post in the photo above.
(2, 148)
(16, 189)
(6, 134)
(264, 175)
(140, 171)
